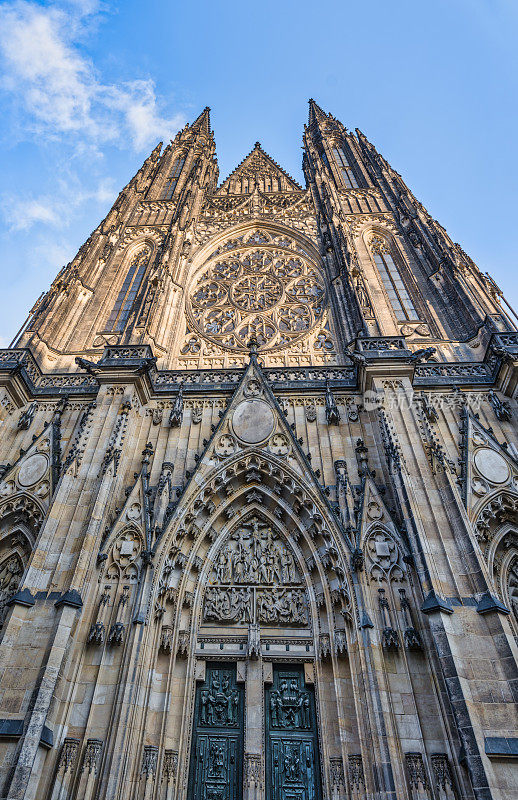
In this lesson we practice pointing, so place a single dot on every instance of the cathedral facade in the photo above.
(259, 496)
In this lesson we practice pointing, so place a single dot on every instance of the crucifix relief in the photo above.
(255, 579)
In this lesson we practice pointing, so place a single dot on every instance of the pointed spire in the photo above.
(202, 123)
(315, 112)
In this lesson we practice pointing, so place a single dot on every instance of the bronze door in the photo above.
(292, 762)
(216, 767)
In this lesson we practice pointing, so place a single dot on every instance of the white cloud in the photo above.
(60, 89)
(58, 210)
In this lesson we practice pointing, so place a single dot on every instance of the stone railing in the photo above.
(380, 344)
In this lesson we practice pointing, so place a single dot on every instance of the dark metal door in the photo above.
(216, 768)
(292, 763)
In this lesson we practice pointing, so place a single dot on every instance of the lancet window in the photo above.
(128, 292)
(173, 178)
(345, 169)
(398, 296)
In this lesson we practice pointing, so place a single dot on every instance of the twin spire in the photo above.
(257, 161)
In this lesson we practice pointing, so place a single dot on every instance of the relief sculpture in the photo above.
(254, 579)
(255, 555)
(219, 702)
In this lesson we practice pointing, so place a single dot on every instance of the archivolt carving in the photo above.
(16, 542)
(24, 508)
(500, 508)
(268, 586)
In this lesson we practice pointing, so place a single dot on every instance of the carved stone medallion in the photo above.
(33, 470)
(253, 421)
(491, 465)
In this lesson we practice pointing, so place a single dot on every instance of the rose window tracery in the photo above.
(265, 287)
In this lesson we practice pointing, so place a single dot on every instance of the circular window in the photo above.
(273, 292)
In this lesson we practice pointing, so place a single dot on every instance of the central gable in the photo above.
(258, 168)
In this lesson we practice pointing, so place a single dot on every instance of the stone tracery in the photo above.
(274, 293)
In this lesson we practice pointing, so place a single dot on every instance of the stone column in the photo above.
(254, 731)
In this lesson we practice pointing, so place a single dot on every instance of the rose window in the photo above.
(256, 292)
(272, 292)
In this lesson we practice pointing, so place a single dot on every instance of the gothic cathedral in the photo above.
(259, 496)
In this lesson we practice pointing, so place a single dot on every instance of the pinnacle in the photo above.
(203, 121)
(315, 112)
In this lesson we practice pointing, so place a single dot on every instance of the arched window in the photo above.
(128, 292)
(173, 178)
(392, 281)
(345, 169)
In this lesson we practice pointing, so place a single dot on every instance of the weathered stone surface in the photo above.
(227, 539)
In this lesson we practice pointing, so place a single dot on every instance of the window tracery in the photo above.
(388, 271)
(128, 291)
(345, 169)
(266, 287)
(173, 178)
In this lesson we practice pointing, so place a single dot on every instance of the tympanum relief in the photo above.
(255, 579)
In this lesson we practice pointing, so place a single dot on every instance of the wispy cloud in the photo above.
(57, 209)
(60, 90)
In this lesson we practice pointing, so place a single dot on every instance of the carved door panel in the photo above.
(292, 763)
(217, 747)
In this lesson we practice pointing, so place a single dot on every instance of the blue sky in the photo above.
(88, 87)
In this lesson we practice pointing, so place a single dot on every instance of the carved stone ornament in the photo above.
(170, 766)
(254, 579)
(442, 772)
(68, 754)
(92, 756)
(336, 772)
(253, 771)
(416, 771)
(355, 772)
(311, 413)
(266, 292)
(33, 469)
(491, 465)
(11, 571)
(149, 761)
(253, 421)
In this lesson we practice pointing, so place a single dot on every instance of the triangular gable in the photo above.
(487, 467)
(37, 470)
(256, 166)
(254, 420)
(128, 535)
(378, 536)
